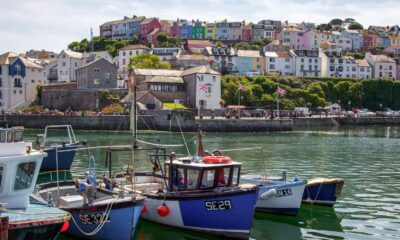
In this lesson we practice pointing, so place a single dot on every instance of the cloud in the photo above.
(51, 25)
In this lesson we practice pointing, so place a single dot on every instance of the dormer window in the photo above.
(18, 69)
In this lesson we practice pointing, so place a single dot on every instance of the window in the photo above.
(214, 78)
(1, 174)
(24, 176)
(130, 53)
(1, 82)
(192, 177)
(178, 175)
(63, 56)
(332, 68)
(123, 61)
(353, 69)
(76, 64)
(223, 178)
(32, 81)
(208, 178)
(17, 82)
(390, 67)
(235, 176)
(96, 70)
(123, 53)
(107, 75)
(15, 91)
(272, 67)
(18, 69)
(380, 67)
(63, 64)
(20, 91)
(96, 81)
(310, 60)
(272, 59)
(287, 59)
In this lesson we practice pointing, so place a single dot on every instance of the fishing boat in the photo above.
(19, 168)
(61, 160)
(323, 191)
(97, 213)
(200, 193)
(277, 196)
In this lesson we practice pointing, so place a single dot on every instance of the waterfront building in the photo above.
(314, 38)
(394, 44)
(125, 28)
(185, 61)
(258, 31)
(149, 28)
(250, 62)
(383, 67)
(294, 37)
(18, 80)
(229, 30)
(276, 46)
(224, 59)
(124, 55)
(369, 41)
(98, 74)
(166, 25)
(198, 87)
(307, 63)
(272, 24)
(335, 65)
(185, 29)
(279, 62)
(166, 53)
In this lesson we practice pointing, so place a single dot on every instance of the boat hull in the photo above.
(227, 215)
(46, 232)
(64, 158)
(121, 223)
(323, 191)
(287, 199)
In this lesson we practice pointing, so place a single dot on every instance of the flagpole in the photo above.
(239, 100)
(277, 101)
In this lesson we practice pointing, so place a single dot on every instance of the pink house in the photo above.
(295, 38)
(198, 45)
(247, 33)
(367, 41)
(149, 28)
(174, 29)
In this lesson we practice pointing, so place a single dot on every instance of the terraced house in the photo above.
(224, 59)
(198, 30)
(250, 62)
(383, 67)
(18, 80)
(121, 29)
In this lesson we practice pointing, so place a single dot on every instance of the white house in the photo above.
(18, 80)
(382, 66)
(279, 62)
(166, 53)
(307, 63)
(338, 66)
(124, 55)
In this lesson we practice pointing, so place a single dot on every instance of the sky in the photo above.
(53, 24)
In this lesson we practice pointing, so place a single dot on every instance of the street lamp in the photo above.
(340, 108)
(349, 102)
(380, 105)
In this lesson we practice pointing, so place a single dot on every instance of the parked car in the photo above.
(386, 112)
(366, 113)
(349, 114)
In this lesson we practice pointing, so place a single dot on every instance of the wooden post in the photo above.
(4, 228)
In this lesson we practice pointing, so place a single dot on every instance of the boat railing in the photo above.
(70, 131)
(62, 174)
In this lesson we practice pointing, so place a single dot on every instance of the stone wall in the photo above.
(76, 99)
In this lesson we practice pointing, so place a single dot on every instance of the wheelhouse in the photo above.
(188, 175)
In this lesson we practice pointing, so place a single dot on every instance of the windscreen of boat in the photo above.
(24, 176)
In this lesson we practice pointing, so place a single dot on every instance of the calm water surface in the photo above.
(366, 157)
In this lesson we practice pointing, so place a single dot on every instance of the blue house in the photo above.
(185, 30)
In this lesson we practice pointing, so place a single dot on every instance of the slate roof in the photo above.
(164, 79)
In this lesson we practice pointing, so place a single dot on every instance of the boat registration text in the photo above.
(284, 192)
(92, 218)
(218, 205)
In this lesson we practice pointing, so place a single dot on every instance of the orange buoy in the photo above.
(163, 210)
(64, 227)
(217, 159)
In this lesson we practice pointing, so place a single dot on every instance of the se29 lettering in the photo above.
(92, 218)
(219, 205)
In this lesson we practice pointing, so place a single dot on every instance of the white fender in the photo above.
(268, 194)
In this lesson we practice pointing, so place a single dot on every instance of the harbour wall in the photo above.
(187, 122)
(164, 121)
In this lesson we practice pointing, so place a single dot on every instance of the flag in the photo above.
(203, 87)
(281, 91)
(242, 88)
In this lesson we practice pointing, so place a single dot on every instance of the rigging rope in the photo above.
(183, 136)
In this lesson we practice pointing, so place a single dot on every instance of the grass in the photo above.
(174, 106)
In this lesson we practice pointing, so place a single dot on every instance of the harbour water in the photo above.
(366, 157)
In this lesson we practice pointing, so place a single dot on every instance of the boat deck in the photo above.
(35, 215)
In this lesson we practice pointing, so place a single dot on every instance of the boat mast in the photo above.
(134, 118)
(200, 151)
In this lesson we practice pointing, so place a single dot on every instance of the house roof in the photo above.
(188, 57)
(73, 54)
(134, 47)
(271, 54)
(283, 54)
(95, 61)
(155, 30)
(157, 72)
(147, 20)
(199, 42)
(362, 63)
(164, 79)
(139, 95)
(249, 53)
(5, 57)
(10, 57)
(200, 69)
(382, 58)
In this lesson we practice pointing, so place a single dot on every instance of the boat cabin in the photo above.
(189, 175)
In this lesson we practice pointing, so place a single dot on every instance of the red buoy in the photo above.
(163, 210)
(64, 227)
(217, 159)
(144, 209)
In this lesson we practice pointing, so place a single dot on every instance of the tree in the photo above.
(74, 46)
(162, 38)
(146, 60)
(336, 22)
(324, 27)
(134, 40)
(355, 26)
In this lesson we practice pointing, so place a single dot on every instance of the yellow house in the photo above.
(211, 31)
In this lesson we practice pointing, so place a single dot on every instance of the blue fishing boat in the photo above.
(323, 191)
(63, 159)
(199, 193)
(277, 196)
(97, 213)
(19, 168)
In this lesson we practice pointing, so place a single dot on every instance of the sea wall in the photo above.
(164, 121)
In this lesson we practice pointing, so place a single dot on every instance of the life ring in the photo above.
(217, 159)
